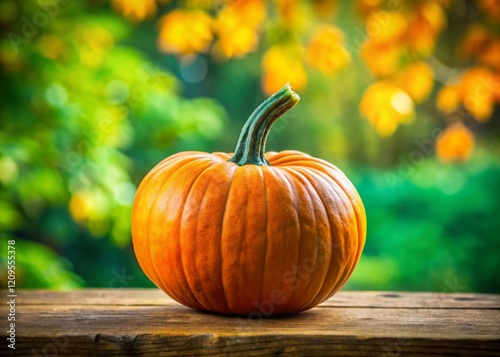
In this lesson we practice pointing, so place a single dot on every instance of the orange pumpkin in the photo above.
(249, 233)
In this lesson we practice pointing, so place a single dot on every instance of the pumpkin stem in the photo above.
(251, 145)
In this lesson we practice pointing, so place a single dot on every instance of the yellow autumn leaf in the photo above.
(384, 123)
(237, 27)
(433, 14)
(238, 41)
(386, 26)
(382, 59)
(448, 98)
(281, 65)
(386, 105)
(478, 87)
(424, 26)
(185, 32)
(417, 80)
(480, 110)
(420, 39)
(135, 10)
(291, 14)
(252, 12)
(455, 143)
(326, 51)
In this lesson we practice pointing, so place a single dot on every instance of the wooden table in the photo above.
(107, 322)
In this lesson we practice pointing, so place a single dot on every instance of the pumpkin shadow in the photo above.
(255, 317)
(180, 319)
(242, 323)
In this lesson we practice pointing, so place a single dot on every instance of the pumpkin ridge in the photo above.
(266, 251)
(233, 170)
(331, 231)
(294, 189)
(346, 272)
(348, 189)
(194, 303)
(244, 240)
(188, 155)
(359, 233)
(144, 186)
(160, 280)
(338, 229)
(158, 173)
(198, 206)
(244, 213)
(269, 155)
(220, 245)
(311, 190)
(345, 185)
(278, 258)
(222, 155)
(348, 269)
(288, 157)
(248, 226)
(178, 236)
(307, 190)
(325, 166)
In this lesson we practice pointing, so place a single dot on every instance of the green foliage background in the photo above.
(89, 105)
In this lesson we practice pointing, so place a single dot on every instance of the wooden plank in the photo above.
(344, 298)
(142, 322)
(424, 323)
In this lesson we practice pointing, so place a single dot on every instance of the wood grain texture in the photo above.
(152, 297)
(142, 322)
